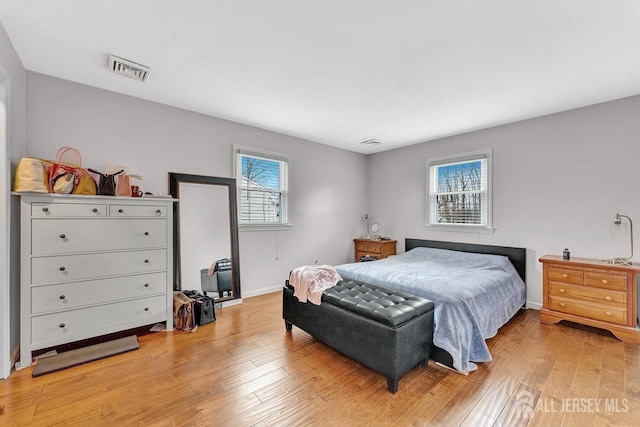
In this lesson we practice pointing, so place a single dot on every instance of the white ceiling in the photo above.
(339, 72)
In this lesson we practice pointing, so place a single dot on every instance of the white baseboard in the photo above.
(261, 291)
(534, 305)
(231, 302)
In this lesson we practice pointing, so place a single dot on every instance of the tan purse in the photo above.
(123, 185)
(31, 176)
(183, 312)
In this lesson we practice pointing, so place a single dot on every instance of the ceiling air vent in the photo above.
(371, 142)
(128, 68)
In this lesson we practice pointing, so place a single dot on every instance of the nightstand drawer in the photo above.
(361, 247)
(565, 275)
(596, 311)
(605, 280)
(575, 291)
(374, 249)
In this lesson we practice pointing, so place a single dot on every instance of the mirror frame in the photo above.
(175, 179)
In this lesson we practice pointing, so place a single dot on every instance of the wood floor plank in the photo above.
(490, 406)
(244, 369)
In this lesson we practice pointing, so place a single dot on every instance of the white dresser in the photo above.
(92, 265)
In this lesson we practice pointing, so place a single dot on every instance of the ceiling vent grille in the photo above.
(128, 68)
(371, 142)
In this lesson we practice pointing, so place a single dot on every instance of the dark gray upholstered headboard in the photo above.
(517, 256)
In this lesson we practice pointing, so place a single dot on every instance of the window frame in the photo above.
(487, 227)
(241, 150)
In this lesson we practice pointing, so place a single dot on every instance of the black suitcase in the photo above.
(204, 309)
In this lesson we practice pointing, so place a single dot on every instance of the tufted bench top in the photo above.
(389, 307)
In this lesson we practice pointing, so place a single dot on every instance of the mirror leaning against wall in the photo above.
(206, 255)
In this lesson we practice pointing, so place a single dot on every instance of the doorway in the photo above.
(5, 194)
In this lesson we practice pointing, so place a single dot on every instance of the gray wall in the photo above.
(328, 184)
(11, 67)
(558, 182)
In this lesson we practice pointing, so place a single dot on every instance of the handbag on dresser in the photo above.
(69, 162)
(31, 176)
(107, 182)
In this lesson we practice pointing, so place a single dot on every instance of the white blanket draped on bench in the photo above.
(310, 281)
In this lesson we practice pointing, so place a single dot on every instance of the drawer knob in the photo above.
(62, 325)
(63, 236)
(146, 309)
(608, 298)
(146, 261)
(605, 281)
(94, 210)
(146, 233)
(146, 285)
(120, 210)
(564, 275)
(62, 269)
(158, 212)
(62, 297)
(563, 304)
(562, 290)
(45, 209)
(608, 313)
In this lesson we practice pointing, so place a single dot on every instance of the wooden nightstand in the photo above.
(377, 248)
(591, 292)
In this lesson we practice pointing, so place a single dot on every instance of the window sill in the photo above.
(460, 228)
(265, 227)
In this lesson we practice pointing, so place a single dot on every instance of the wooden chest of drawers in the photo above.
(377, 248)
(92, 265)
(591, 292)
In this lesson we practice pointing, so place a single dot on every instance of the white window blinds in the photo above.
(263, 187)
(459, 190)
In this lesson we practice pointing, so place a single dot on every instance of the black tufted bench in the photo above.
(388, 331)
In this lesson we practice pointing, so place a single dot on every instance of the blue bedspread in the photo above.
(474, 295)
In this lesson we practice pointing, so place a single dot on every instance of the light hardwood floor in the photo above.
(245, 370)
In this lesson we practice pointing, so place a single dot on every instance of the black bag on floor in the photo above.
(203, 307)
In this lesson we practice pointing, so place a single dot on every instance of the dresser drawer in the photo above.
(76, 324)
(598, 311)
(137, 210)
(52, 210)
(577, 291)
(605, 280)
(565, 275)
(65, 236)
(66, 268)
(67, 296)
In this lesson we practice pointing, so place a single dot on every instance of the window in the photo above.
(459, 192)
(262, 179)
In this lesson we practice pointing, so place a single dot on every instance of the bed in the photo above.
(476, 290)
